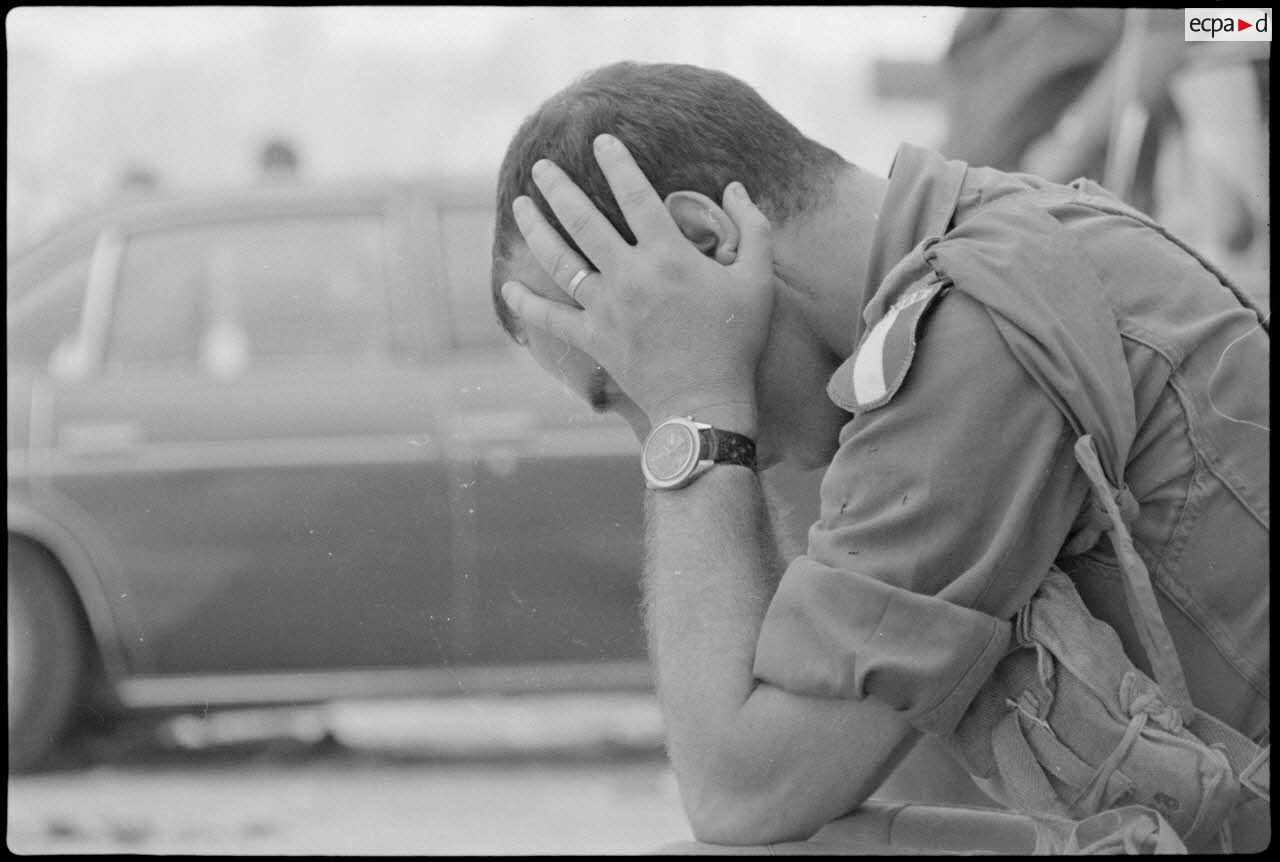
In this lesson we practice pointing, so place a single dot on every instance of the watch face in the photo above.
(670, 451)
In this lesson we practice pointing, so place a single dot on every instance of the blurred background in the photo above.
(188, 96)
(304, 555)
(104, 101)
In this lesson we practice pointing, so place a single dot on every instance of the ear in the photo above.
(705, 224)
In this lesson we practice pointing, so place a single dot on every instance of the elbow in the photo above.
(732, 808)
(732, 819)
(735, 824)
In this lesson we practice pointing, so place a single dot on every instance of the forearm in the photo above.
(710, 572)
(754, 763)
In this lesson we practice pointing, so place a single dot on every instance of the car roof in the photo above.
(161, 208)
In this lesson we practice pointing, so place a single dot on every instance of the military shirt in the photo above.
(955, 486)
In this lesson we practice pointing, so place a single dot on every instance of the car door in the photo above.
(255, 442)
(552, 495)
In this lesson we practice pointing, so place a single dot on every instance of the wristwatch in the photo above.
(679, 450)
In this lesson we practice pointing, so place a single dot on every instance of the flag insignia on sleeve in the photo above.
(882, 360)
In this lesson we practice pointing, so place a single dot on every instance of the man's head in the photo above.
(692, 132)
(688, 128)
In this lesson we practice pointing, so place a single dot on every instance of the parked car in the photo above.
(271, 446)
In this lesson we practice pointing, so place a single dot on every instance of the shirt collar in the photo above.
(923, 192)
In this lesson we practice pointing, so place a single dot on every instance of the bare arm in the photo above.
(755, 764)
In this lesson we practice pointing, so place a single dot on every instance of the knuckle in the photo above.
(563, 264)
(578, 223)
(548, 319)
(633, 196)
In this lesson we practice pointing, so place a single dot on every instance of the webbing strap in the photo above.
(1096, 796)
(1250, 761)
(1141, 597)
(1025, 783)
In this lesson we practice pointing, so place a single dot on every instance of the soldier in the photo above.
(995, 369)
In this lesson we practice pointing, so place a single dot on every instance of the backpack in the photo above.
(1068, 730)
(1102, 757)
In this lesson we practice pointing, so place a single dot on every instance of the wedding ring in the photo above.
(576, 282)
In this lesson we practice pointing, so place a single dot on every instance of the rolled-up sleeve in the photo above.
(940, 513)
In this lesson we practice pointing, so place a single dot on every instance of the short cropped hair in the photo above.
(688, 128)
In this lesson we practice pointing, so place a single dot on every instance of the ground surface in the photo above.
(567, 775)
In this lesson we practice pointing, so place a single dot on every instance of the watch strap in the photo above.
(729, 447)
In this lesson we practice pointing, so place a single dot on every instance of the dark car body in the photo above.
(378, 493)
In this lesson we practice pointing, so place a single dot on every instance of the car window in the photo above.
(468, 243)
(223, 299)
(46, 314)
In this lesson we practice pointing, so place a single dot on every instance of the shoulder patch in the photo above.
(882, 360)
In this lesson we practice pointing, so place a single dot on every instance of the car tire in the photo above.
(46, 654)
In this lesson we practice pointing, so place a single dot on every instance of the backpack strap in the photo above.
(1141, 597)
(1250, 761)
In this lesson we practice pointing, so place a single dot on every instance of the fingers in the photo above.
(553, 254)
(640, 204)
(589, 229)
(554, 318)
(755, 242)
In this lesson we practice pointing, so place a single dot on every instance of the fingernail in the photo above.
(540, 167)
(606, 142)
(737, 189)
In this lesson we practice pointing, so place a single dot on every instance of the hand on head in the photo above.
(679, 320)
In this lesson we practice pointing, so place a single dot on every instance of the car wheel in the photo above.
(46, 654)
